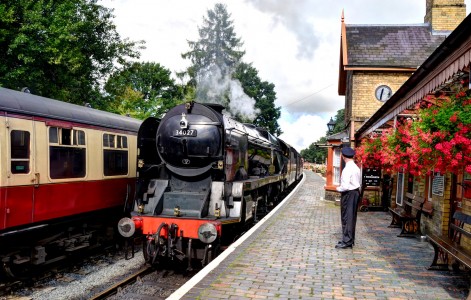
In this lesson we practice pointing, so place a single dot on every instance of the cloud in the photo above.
(303, 130)
(293, 44)
(293, 17)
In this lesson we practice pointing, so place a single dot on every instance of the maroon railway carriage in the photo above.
(64, 168)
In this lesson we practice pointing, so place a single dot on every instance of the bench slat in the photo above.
(461, 230)
(452, 248)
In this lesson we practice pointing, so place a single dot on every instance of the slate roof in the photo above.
(390, 45)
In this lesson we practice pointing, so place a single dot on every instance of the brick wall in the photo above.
(362, 98)
(445, 14)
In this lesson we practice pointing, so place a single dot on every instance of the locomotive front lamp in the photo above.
(176, 211)
(183, 122)
(331, 125)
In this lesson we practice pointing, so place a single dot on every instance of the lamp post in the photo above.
(345, 141)
(331, 125)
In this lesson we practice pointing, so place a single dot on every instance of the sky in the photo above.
(294, 44)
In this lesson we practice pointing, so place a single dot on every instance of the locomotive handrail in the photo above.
(205, 123)
(233, 128)
(151, 166)
(253, 138)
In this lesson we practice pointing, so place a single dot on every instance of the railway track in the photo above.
(122, 284)
(106, 276)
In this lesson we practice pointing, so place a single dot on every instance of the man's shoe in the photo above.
(341, 242)
(343, 246)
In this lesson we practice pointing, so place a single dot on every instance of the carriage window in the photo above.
(79, 137)
(65, 136)
(19, 152)
(53, 135)
(67, 153)
(115, 154)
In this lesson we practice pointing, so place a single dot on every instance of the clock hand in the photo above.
(381, 95)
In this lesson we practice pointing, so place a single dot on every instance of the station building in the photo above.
(375, 61)
(390, 74)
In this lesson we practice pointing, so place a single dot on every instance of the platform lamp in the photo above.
(331, 125)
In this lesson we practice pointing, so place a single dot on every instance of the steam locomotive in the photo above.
(201, 176)
(66, 172)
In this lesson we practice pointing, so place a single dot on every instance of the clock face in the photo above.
(383, 93)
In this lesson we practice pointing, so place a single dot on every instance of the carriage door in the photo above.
(20, 171)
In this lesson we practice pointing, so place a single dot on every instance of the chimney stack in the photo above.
(445, 15)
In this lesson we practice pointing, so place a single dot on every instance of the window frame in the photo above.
(27, 159)
(336, 164)
(78, 159)
(111, 150)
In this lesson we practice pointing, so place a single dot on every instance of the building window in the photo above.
(336, 166)
(67, 153)
(20, 152)
(115, 154)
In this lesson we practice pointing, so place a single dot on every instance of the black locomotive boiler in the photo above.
(201, 174)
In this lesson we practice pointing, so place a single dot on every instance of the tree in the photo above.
(217, 46)
(214, 58)
(60, 49)
(314, 153)
(264, 94)
(219, 75)
(339, 121)
(143, 90)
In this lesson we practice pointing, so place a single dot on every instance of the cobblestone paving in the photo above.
(292, 256)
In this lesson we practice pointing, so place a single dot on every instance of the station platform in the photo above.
(291, 254)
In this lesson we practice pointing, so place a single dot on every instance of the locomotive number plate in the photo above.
(184, 132)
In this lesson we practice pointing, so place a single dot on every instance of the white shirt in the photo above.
(350, 178)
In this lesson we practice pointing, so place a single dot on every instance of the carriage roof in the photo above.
(28, 104)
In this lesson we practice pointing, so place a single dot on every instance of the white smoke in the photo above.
(241, 104)
(215, 85)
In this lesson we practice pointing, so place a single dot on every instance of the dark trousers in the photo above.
(348, 215)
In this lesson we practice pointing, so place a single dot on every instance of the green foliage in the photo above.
(447, 115)
(314, 153)
(217, 65)
(143, 90)
(59, 49)
(339, 122)
(217, 44)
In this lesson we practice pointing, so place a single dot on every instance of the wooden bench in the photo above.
(408, 218)
(449, 246)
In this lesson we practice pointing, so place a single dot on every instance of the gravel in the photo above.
(82, 283)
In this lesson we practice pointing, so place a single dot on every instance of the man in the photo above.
(350, 183)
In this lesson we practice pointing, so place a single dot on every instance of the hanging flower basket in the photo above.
(439, 140)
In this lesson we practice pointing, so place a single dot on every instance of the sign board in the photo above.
(438, 184)
(371, 177)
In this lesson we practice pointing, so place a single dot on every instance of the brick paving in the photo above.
(292, 256)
